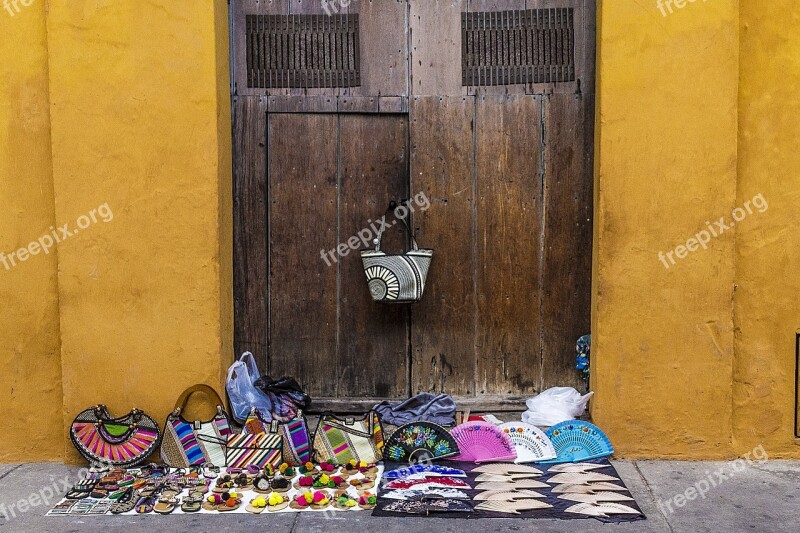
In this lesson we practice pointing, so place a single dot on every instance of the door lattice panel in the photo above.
(302, 51)
(517, 47)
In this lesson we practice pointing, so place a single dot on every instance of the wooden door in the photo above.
(484, 106)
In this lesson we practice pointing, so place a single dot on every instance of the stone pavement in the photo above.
(735, 497)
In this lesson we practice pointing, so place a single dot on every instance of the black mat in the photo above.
(557, 511)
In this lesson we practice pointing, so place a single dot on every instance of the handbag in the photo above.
(259, 450)
(339, 440)
(125, 441)
(396, 278)
(193, 443)
(295, 439)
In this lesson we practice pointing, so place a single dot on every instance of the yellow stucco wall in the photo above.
(666, 163)
(30, 373)
(696, 116)
(768, 244)
(141, 123)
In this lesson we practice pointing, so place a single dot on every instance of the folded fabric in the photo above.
(424, 407)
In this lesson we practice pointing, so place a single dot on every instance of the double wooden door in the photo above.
(507, 172)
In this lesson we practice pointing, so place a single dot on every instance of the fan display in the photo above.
(482, 442)
(511, 507)
(530, 442)
(509, 495)
(443, 482)
(419, 442)
(433, 492)
(586, 489)
(410, 471)
(574, 467)
(596, 497)
(570, 478)
(511, 485)
(577, 440)
(506, 468)
(603, 509)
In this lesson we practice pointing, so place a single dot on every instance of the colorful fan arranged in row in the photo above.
(530, 443)
(420, 442)
(483, 442)
(576, 440)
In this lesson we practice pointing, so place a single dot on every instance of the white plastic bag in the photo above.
(241, 392)
(555, 405)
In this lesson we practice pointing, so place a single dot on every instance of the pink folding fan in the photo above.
(482, 442)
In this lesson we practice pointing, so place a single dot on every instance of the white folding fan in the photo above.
(506, 468)
(530, 442)
(571, 478)
(507, 495)
(596, 497)
(511, 507)
(511, 485)
(586, 489)
(603, 509)
(575, 467)
(504, 477)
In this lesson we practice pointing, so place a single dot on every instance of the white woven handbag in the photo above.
(397, 278)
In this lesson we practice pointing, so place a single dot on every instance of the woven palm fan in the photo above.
(572, 478)
(511, 507)
(511, 485)
(586, 489)
(530, 442)
(576, 440)
(603, 509)
(575, 467)
(508, 495)
(504, 477)
(596, 497)
(420, 442)
(482, 442)
(507, 468)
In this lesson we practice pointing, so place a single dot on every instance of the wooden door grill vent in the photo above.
(516, 47)
(302, 51)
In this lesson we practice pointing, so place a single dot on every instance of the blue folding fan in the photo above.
(576, 440)
(404, 472)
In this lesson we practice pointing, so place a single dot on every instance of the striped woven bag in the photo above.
(125, 441)
(296, 445)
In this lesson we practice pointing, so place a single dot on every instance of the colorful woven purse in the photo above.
(125, 441)
(296, 443)
(338, 440)
(194, 443)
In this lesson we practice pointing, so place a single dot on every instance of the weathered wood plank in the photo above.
(250, 226)
(303, 198)
(567, 260)
(508, 146)
(384, 47)
(443, 328)
(373, 338)
(435, 54)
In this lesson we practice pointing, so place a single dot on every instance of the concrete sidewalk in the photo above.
(736, 497)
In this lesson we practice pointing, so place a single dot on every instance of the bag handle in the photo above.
(392, 206)
(340, 423)
(180, 405)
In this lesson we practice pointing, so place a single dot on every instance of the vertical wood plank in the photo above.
(250, 226)
(373, 337)
(443, 328)
(384, 48)
(508, 156)
(435, 27)
(302, 222)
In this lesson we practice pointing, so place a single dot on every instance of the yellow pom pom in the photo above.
(350, 503)
(362, 464)
(233, 495)
(324, 479)
(309, 498)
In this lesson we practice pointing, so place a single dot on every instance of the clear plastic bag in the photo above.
(554, 405)
(242, 394)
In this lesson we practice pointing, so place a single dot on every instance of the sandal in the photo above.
(305, 482)
(367, 501)
(227, 501)
(344, 501)
(277, 502)
(287, 470)
(77, 494)
(315, 500)
(145, 505)
(171, 491)
(243, 482)
(281, 484)
(308, 468)
(363, 484)
(126, 503)
(166, 505)
(257, 505)
(192, 504)
(224, 484)
(210, 471)
(262, 485)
